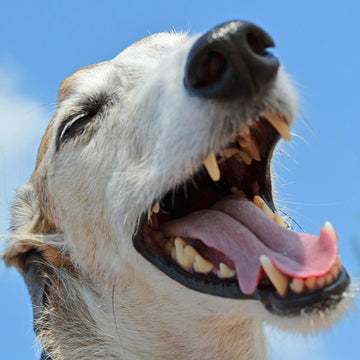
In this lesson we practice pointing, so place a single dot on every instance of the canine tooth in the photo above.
(328, 226)
(279, 123)
(225, 271)
(201, 265)
(279, 280)
(297, 286)
(310, 283)
(156, 208)
(279, 220)
(260, 203)
(212, 167)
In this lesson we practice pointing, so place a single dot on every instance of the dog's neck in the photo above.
(206, 338)
(128, 320)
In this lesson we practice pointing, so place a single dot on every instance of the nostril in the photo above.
(210, 69)
(257, 43)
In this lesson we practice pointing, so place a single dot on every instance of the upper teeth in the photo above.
(249, 148)
(187, 257)
(156, 208)
(212, 167)
(280, 124)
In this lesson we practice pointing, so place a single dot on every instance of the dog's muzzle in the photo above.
(219, 231)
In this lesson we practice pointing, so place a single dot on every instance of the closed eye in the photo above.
(72, 126)
(77, 123)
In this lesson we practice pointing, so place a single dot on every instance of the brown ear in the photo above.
(30, 230)
(17, 252)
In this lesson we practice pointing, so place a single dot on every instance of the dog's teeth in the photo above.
(212, 167)
(253, 150)
(320, 282)
(338, 263)
(279, 123)
(189, 255)
(179, 248)
(310, 283)
(328, 279)
(225, 272)
(279, 280)
(331, 230)
(260, 203)
(243, 143)
(335, 272)
(201, 265)
(279, 220)
(242, 156)
(156, 208)
(297, 286)
(185, 254)
(173, 253)
(169, 247)
(246, 137)
(229, 152)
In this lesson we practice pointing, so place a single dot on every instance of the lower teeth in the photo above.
(189, 259)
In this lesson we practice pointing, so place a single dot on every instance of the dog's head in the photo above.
(156, 169)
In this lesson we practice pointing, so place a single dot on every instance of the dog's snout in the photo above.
(231, 61)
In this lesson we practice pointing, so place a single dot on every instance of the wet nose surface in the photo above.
(231, 61)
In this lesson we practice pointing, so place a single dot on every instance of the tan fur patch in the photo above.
(13, 255)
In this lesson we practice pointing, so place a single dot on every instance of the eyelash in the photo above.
(77, 122)
(72, 125)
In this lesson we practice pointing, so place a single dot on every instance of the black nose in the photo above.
(231, 61)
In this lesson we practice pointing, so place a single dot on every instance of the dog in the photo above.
(148, 229)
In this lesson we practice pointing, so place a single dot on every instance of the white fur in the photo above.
(151, 137)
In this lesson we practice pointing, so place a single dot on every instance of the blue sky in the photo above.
(42, 42)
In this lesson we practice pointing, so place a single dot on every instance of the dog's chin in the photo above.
(311, 322)
(201, 233)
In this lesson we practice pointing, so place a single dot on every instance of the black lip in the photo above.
(291, 305)
(322, 299)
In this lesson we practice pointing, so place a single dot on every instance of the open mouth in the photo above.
(219, 232)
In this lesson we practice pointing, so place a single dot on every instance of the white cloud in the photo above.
(23, 120)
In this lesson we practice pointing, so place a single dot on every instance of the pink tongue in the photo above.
(243, 232)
